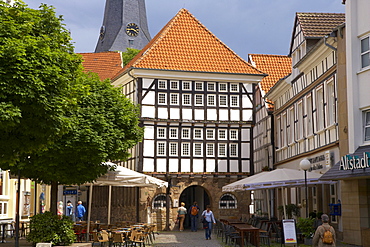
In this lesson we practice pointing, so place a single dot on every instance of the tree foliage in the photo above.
(37, 67)
(129, 55)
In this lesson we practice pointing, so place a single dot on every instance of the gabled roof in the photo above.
(275, 66)
(105, 64)
(185, 44)
(317, 25)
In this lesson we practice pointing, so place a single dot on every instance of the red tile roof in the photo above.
(185, 44)
(276, 66)
(105, 64)
(317, 25)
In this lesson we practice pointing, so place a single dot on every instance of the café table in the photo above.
(246, 228)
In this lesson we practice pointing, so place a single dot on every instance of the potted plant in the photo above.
(51, 228)
(306, 226)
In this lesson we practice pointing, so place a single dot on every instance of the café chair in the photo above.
(118, 239)
(101, 237)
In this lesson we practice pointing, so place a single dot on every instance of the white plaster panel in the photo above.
(248, 86)
(185, 165)
(246, 102)
(174, 165)
(234, 166)
(149, 99)
(148, 165)
(147, 82)
(161, 165)
(174, 113)
(198, 114)
(147, 111)
(247, 115)
(149, 132)
(210, 165)
(245, 166)
(211, 114)
(246, 135)
(198, 165)
(245, 150)
(224, 114)
(187, 114)
(162, 113)
(222, 166)
(235, 116)
(149, 148)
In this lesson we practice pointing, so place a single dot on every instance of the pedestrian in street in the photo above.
(325, 234)
(80, 211)
(193, 212)
(181, 213)
(70, 209)
(209, 220)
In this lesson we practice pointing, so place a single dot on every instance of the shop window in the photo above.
(228, 201)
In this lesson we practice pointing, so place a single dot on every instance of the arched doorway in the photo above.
(191, 194)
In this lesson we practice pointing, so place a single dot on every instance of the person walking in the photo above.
(193, 212)
(209, 218)
(325, 234)
(181, 213)
(69, 211)
(80, 211)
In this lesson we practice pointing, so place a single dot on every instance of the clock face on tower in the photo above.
(132, 29)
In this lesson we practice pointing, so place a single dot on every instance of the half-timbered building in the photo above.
(305, 109)
(196, 99)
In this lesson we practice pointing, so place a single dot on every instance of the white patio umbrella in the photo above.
(123, 177)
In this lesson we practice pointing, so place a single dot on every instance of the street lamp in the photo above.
(305, 164)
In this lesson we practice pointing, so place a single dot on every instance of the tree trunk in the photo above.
(54, 198)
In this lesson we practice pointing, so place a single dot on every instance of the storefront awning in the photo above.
(352, 166)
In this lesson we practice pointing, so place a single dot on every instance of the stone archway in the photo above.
(194, 193)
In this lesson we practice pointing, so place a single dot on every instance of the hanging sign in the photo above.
(290, 236)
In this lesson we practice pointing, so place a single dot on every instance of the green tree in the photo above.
(37, 68)
(128, 55)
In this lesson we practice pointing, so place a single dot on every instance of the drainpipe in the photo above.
(330, 46)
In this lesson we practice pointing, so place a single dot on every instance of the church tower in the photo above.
(124, 25)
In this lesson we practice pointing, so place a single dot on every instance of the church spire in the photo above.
(124, 25)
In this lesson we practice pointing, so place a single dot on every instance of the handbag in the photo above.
(205, 223)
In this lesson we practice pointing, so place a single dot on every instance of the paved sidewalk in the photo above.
(185, 239)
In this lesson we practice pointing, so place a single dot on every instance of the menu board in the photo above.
(290, 236)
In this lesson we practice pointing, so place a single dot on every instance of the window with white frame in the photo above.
(283, 130)
(159, 201)
(162, 84)
(185, 133)
(161, 132)
(233, 134)
(186, 99)
(162, 98)
(300, 123)
(185, 149)
(210, 134)
(199, 86)
(331, 102)
(222, 134)
(278, 132)
(291, 125)
(186, 85)
(234, 87)
(198, 149)
(309, 109)
(222, 87)
(173, 148)
(223, 100)
(198, 133)
(320, 108)
(210, 149)
(367, 126)
(199, 99)
(174, 98)
(365, 52)
(174, 85)
(228, 201)
(3, 208)
(211, 86)
(221, 149)
(234, 100)
(211, 100)
(233, 149)
(173, 133)
(161, 148)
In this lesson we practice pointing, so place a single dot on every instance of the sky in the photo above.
(246, 26)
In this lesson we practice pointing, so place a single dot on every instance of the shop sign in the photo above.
(320, 162)
(348, 162)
